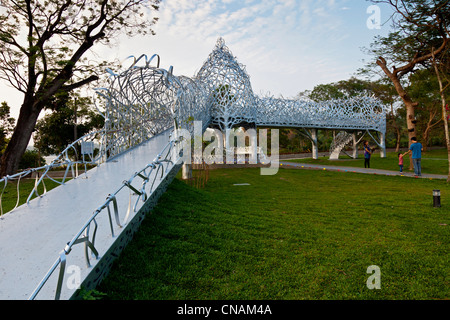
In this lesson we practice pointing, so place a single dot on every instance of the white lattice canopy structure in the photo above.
(232, 101)
(357, 113)
(145, 100)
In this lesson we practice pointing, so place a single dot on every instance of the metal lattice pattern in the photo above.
(137, 106)
(339, 142)
(145, 100)
(231, 97)
(355, 113)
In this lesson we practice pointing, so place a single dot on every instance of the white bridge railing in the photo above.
(140, 185)
(81, 152)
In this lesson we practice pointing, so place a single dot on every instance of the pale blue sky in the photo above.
(287, 46)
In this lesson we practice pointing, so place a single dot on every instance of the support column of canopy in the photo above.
(381, 142)
(186, 172)
(355, 146)
(315, 148)
(311, 134)
(383, 145)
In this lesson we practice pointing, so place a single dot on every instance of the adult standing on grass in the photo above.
(367, 154)
(416, 150)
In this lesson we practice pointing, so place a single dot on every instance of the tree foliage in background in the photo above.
(30, 158)
(424, 89)
(6, 125)
(420, 29)
(44, 51)
(341, 90)
(73, 118)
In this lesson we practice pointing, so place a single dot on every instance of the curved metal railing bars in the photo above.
(157, 163)
(150, 173)
(150, 60)
(62, 160)
(147, 61)
(112, 73)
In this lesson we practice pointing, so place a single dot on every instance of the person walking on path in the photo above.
(367, 154)
(416, 150)
(400, 162)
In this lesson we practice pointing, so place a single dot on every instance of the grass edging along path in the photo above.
(433, 162)
(300, 234)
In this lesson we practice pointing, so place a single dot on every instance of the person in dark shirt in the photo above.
(367, 154)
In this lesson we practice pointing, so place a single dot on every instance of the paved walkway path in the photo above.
(288, 164)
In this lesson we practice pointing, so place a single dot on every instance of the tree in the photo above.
(31, 159)
(344, 89)
(44, 48)
(419, 27)
(442, 71)
(6, 125)
(73, 118)
(323, 92)
(423, 88)
(223, 107)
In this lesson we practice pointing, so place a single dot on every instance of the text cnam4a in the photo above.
(246, 309)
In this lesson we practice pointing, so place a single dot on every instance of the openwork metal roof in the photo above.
(144, 100)
(231, 97)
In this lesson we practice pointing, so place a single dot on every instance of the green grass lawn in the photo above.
(433, 162)
(299, 234)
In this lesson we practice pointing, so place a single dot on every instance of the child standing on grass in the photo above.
(400, 162)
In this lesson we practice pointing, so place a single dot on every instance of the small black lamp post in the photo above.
(436, 198)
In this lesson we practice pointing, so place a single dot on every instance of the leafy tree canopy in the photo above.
(57, 130)
(45, 45)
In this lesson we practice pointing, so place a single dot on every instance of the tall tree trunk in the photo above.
(397, 146)
(397, 132)
(411, 124)
(444, 114)
(20, 138)
(409, 104)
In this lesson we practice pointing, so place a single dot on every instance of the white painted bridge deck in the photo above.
(33, 235)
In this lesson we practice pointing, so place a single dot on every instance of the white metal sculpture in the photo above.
(339, 142)
(145, 100)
